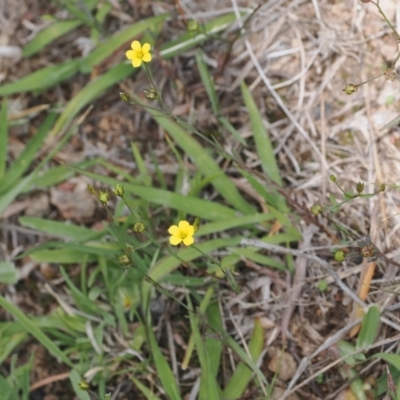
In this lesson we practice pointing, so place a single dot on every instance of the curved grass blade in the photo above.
(3, 139)
(264, 147)
(35, 331)
(90, 92)
(48, 35)
(203, 161)
(165, 374)
(189, 40)
(24, 160)
(209, 388)
(191, 205)
(243, 374)
(42, 79)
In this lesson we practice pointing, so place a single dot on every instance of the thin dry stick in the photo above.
(323, 263)
(328, 342)
(298, 253)
(361, 350)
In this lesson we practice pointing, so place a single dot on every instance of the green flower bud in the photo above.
(119, 190)
(332, 178)
(196, 224)
(139, 227)
(350, 88)
(150, 94)
(104, 197)
(382, 187)
(192, 26)
(125, 97)
(83, 385)
(91, 189)
(360, 187)
(316, 209)
(340, 256)
(123, 259)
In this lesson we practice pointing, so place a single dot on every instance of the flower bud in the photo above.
(123, 259)
(150, 94)
(360, 187)
(91, 189)
(350, 88)
(119, 190)
(340, 255)
(333, 178)
(390, 74)
(83, 385)
(382, 187)
(139, 227)
(125, 97)
(192, 26)
(316, 209)
(196, 224)
(104, 197)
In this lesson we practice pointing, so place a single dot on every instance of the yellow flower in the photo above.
(139, 53)
(182, 233)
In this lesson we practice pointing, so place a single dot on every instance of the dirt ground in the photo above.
(296, 56)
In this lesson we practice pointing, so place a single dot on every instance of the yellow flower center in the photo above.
(139, 54)
(183, 235)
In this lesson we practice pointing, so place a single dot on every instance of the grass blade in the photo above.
(90, 92)
(42, 79)
(35, 331)
(48, 35)
(3, 139)
(165, 374)
(263, 143)
(243, 374)
(24, 160)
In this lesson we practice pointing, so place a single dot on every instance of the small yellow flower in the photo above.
(182, 233)
(139, 53)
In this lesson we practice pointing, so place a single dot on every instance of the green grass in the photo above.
(108, 298)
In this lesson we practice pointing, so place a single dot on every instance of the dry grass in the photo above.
(296, 56)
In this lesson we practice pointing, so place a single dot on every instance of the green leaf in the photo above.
(263, 143)
(89, 93)
(35, 331)
(203, 161)
(3, 139)
(48, 35)
(164, 372)
(42, 79)
(347, 351)
(243, 374)
(25, 159)
(207, 82)
(75, 379)
(8, 273)
(393, 359)
(59, 229)
(369, 328)
(209, 388)
(187, 41)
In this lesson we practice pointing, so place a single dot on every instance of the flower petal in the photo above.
(188, 240)
(175, 240)
(130, 54)
(190, 230)
(183, 225)
(173, 230)
(147, 57)
(136, 45)
(136, 62)
(146, 48)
